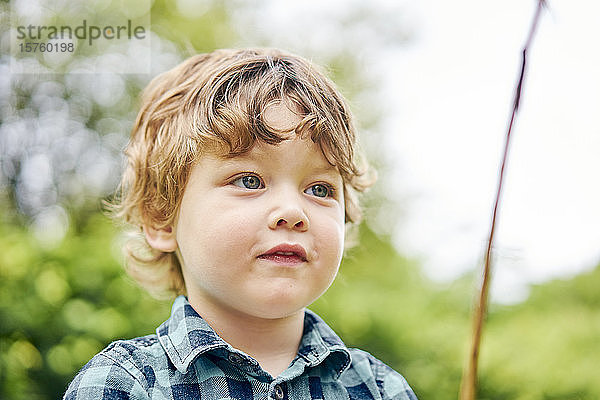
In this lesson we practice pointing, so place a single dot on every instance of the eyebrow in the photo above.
(326, 168)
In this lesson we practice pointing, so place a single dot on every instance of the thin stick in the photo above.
(468, 386)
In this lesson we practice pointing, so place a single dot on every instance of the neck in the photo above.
(272, 342)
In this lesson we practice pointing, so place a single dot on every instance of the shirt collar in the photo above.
(185, 336)
(320, 343)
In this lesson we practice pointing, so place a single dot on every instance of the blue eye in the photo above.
(320, 190)
(249, 182)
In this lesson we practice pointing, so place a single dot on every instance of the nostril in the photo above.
(281, 222)
(299, 224)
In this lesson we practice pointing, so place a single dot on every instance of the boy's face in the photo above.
(262, 234)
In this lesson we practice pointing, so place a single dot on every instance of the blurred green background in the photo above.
(64, 295)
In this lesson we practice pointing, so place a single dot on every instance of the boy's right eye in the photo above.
(249, 182)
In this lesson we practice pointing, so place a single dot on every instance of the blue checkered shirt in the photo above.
(186, 359)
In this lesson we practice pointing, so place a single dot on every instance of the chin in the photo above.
(278, 309)
(273, 314)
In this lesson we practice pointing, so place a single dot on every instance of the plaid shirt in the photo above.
(186, 359)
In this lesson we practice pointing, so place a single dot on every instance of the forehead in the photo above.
(290, 153)
(282, 116)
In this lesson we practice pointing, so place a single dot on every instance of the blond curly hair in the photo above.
(213, 103)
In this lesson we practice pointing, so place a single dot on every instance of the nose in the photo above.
(289, 216)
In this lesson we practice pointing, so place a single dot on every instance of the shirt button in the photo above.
(279, 392)
(234, 358)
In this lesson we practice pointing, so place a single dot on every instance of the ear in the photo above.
(162, 239)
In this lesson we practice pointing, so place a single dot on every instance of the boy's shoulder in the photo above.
(134, 354)
(124, 369)
(369, 375)
(132, 368)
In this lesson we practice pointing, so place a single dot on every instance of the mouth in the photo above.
(285, 254)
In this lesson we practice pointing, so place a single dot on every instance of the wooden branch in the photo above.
(468, 386)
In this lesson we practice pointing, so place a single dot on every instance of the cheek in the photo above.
(232, 222)
(330, 237)
(218, 231)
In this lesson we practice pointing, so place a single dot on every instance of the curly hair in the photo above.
(213, 103)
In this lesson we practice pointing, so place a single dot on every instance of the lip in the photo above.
(285, 254)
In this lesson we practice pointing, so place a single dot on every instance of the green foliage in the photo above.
(209, 31)
(548, 345)
(59, 307)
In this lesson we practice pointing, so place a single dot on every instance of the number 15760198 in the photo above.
(32, 47)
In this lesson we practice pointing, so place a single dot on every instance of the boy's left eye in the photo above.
(320, 190)
(249, 182)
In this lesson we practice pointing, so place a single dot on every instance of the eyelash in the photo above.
(330, 189)
(248, 174)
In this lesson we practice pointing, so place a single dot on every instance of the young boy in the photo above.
(242, 179)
